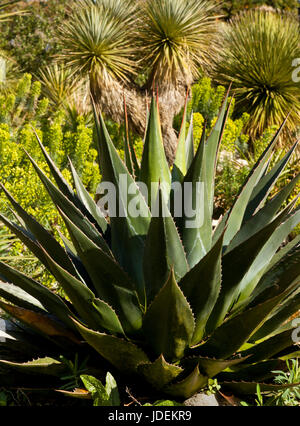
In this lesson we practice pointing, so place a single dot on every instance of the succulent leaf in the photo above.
(118, 352)
(233, 333)
(180, 164)
(87, 201)
(239, 207)
(46, 298)
(196, 226)
(154, 166)
(40, 322)
(189, 386)
(266, 183)
(201, 286)
(127, 232)
(159, 373)
(232, 281)
(163, 250)
(169, 322)
(189, 144)
(47, 365)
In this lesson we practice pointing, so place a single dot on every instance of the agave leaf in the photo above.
(15, 332)
(238, 209)
(159, 373)
(58, 177)
(81, 203)
(269, 348)
(128, 232)
(130, 156)
(266, 183)
(76, 393)
(278, 278)
(196, 236)
(169, 322)
(233, 333)
(189, 386)
(189, 144)
(47, 366)
(127, 150)
(73, 255)
(212, 367)
(27, 238)
(180, 165)
(246, 254)
(17, 296)
(95, 312)
(258, 372)
(286, 310)
(263, 216)
(70, 209)
(249, 388)
(163, 250)
(108, 317)
(87, 201)
(291, 355)
(201, 286)
(211, 151)
(46, 298)
(154, 166)
(118, 352)
(263, 259)
(283, 252)
(39, 322)
(46, 240)
(221, 225)
(112, 284)
(96, 261)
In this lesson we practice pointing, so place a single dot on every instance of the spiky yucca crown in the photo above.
(175, 304)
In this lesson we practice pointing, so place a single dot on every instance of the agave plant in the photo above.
(158, 299)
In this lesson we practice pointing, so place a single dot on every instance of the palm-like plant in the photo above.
(111, 41)
(256, 56)
(175, 39)
(174, 305)
(65, 90)
(8, 67)
(6, 15)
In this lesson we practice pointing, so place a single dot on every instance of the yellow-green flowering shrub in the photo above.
(205, 102)
(19, 177)
(233, 138)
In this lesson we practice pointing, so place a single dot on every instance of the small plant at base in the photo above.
(163, 403)
(75, 372)
(289, 396)
(259, 402)
(212, 387)
(107, 395)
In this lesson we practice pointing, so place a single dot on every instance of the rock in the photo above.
(229, 157)
(215, 400)
(202, 400)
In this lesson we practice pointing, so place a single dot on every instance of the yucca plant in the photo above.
(256, 53)
(126, 46)
(172, 304)
(66, 91)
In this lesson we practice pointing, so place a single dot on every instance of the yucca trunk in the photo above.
(109, 100)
